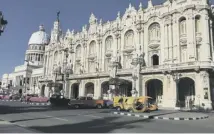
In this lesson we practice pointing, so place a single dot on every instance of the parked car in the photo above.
(59, 100)
(15, 97)
(2, 96)
(28, 96)
(86, 102)
(39, 99)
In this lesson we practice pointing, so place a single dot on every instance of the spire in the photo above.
(150, 4)
(118, 15)
(130, 5)
(140, 6)
(92, 19)
(58, 13)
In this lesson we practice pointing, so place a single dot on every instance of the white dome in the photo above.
(5, 76)
(40, 37)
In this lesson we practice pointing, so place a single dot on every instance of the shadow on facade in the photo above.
(104, 125)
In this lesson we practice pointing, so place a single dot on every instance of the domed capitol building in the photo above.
(163, 51)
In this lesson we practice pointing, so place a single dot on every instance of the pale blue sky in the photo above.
(25, 16)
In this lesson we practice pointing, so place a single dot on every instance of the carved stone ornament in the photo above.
(198, 40)
(183, 40)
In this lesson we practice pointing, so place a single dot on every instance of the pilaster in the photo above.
(206, 56)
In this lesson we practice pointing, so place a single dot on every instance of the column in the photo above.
(166, 54)
(97, 89)
(190, 37)
(176, 49)
(211, 35)
(82, 88)
(170, 41)
(206, 56)
(162, 47)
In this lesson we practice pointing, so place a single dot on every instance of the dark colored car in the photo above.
(15, 97)
(59, 100)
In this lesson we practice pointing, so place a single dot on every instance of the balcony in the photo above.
(92, 56)
(129, 49)
(153, 44)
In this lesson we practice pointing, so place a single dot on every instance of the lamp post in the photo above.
(56, 71)
(137, 61)
(176, 77)
(66, 69)
(3, 23)
(34, 85)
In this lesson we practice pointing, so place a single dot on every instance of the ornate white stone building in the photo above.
(163, 51)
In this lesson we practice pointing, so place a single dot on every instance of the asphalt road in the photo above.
(27, 118)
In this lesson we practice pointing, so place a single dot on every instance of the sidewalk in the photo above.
(167, 115)
(7, 127)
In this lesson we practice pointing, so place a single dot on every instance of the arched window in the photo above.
(197, 24)
(78, 51)
(182, 26)
(154, 32)
(55, 57)
(92, 48)
(39, 57)
(40, 48)
(109, 43)
(129, 38)
(155, 60)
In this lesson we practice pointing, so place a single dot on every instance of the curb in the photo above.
(38, 104)
(161, 118)
(11, 100)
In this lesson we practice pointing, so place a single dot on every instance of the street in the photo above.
(44, 119)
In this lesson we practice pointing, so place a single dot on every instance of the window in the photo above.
(183, 53)
(183, 26)
(92, 48)
(55, 57)
(155, 60)
(108, 43)
(197, 24)
(198, 52)
(38, 57)
(40, 48)
(154, 32)
(129, 38)
(78, 51)
(107, 63)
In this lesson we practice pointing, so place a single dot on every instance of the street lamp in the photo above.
(176, 77)
(34, 85)
(3, 23)
(137, 61)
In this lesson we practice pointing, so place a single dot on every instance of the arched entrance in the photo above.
(89, 89)
(186, 91)
(124, 88)
(58, 88)
(105, 88)
(20, 91)
(43, 90)
(154, 89)
(75, 90)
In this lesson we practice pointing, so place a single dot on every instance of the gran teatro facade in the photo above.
(163, 51)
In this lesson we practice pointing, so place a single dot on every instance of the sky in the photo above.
(25, 16)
